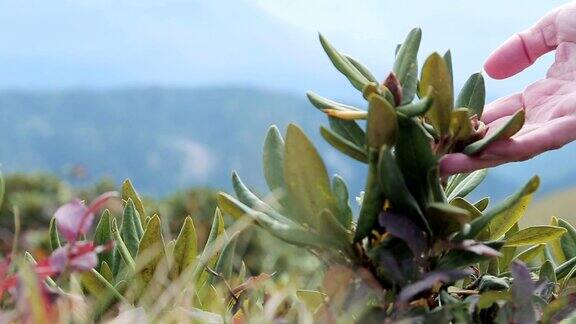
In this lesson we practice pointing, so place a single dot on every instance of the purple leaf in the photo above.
(522, 293)
(82, 256)
(405, 229)
(429, 281)
(478, 248)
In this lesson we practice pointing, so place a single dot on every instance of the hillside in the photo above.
(560, 204)
(169, 138)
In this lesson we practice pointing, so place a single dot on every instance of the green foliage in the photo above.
(416, 239)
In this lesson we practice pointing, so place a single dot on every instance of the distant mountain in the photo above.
(163, 139)
(166, 139)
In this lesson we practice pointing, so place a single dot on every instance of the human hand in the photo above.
(550, 103)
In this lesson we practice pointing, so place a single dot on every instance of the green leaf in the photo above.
(507, 252)
(563, 269)
(106, 271)
(462, 203)
(535, 235)
(482, 204)
(251, 200)
(463, 184)
(273, 161)
(568, 241)
(225, 261)
(382, 125)
(505, 131)
(120, 246)
(416, 109)
(547, 271)
(406, 65)
(555, 247)
(473, 95)
(152, 249)
(53, 232)
(185, 248)
(342, 200)
(311, 298)
(460, 125)
(306, 176)
(446, 219)
(435, 74)
(324, 103)
(415, 159)
(531, 253)
(395, 189)
(103, 235)
(373, 200)
(362, 69)
(131, 229)
(128, 192)
(488, 298)
(348, 129)
(448, 59)
(343, 145)
(342, 64)
(211, 251)
(333, 229)
(504, 215)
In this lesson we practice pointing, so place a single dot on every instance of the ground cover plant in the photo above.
(418, 250)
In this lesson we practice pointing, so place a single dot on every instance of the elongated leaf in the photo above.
(506, 130)
(531, 253)
(482, 204)
(555, 247)
(382, 125)
(435, 74)
(507, 252)
(488, 298)
(106, 271)
(430, 280)
(185, 248)
(461, 258)
(395, 189)
(131, 229)
(306, 176)
(152, 248)
(333, 229)
(324, 103)
(340, 190)
(473, 95)
(522, 290)
(406, 66)
(293, 234)
(342, 64)
(372, 201)
(273, 161)
(568, 241)
(343, 145)
(121, 248)
(463, 184)
(503, 216)
(311, 298)
(251, 200)
(460, 125)
(362, 69)
(225, 261)
(406, 230)
(446, 219)
(350, 130)
(415, 159)
(462, 203)
(448, 59)
(547, 271)
(535, 235)
(416, 109)
(54, 237)
(103, 235)
(128, 192)
(563, 269)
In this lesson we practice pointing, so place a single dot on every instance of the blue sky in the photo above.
(273, 44)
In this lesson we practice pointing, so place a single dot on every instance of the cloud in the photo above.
(197, 161)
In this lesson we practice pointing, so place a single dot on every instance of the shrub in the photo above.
(419, 250)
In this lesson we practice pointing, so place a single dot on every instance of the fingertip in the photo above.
(508, 59)
(453, 163)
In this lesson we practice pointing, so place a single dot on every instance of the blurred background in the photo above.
(174, 94)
